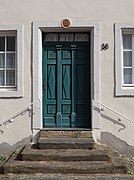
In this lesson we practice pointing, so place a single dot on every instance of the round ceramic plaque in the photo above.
(66, 23)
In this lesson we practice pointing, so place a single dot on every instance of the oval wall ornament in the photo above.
(66, 23)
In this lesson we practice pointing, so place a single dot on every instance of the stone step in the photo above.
(66, 143)
(65, 133)
(83, 167)
(30, 154)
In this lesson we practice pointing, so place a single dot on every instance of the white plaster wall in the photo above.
(107, 12)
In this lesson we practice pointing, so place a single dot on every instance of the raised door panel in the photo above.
(66, 60)
(49, 87)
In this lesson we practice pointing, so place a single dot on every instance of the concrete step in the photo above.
(65, 133)
(30, 154)
(83, 167)
(66, 143)
(49, 162)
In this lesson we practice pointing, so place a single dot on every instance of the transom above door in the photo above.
(66, 80)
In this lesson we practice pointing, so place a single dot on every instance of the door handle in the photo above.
(45, 84)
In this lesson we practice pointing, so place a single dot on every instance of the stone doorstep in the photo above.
(30, 154)
(70, 133)
(78, 167)
(66, 143)
(115, 166)
(83, 167)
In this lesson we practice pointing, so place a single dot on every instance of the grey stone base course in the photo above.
(117, 144)
(6, 149)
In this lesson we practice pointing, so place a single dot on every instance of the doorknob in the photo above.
(44, 84)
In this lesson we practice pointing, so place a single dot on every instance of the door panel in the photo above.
(66, 92)
(66, 70)
(51, 81)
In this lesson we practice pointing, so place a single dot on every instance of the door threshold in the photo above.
(66, 129)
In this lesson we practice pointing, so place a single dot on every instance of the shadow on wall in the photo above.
(6, 149)
(112, 141)
(114, 121)
(14, 116)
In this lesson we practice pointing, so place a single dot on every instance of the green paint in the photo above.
(66, 91)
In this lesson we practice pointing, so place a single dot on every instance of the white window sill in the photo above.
(12, 93)
(125, 91)
(128, 86)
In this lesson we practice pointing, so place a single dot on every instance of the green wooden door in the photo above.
(66, 91)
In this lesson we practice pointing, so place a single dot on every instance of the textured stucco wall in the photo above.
(107, 12)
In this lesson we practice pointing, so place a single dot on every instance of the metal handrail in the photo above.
(112, 110)
(11, 118)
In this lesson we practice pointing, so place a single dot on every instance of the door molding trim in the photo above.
(55, 26)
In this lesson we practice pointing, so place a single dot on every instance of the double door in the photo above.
(66, 85)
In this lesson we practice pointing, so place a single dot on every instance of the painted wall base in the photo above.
(115, 143)
(6, 149)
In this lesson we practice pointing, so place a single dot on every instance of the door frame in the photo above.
(55, 26)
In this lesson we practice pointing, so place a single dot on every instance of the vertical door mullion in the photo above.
(73, 98)
(59, 88)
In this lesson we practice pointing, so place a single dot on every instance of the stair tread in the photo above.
(82, 164)
(65, 167)
(70, 165)
(64, 155)
(63, 133)
(71, 152)
(66, 143)
(66, 140)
